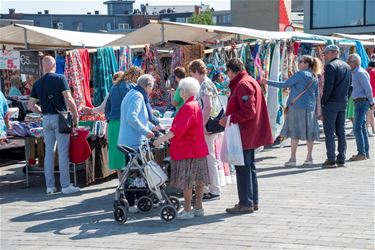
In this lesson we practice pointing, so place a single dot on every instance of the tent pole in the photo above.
(162, 33)
(25, 35)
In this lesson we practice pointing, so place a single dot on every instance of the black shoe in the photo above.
(211, 197)
(340, 163)
(329, 164)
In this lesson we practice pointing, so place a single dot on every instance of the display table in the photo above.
(95, 167)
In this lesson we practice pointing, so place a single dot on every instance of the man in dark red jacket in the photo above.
(247, 107)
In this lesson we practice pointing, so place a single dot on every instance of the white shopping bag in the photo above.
(231, 149)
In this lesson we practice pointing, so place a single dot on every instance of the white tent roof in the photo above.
(38, 37)
(152, 33)
(368, 38)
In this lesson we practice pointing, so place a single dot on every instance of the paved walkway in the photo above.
(300, 208)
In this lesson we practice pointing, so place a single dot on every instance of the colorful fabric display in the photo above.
(75, 77)
(37, 132)
(125, 58)
(273, 93)
(105, 66)
(85, 59)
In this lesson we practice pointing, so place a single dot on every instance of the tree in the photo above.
(204, 17)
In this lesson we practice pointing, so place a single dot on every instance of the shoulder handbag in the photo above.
(299, 96)
(212, 124)
(65, 117)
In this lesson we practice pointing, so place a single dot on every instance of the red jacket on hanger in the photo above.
(247, 107)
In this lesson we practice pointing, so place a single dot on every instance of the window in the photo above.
(109, 26)
(79, 26)
(181, 19)
(370, 12)
(226, 19)
(343, 13)
(123, 26)
(214, 19)
(165, 19)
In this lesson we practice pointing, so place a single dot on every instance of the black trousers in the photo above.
(247, 181)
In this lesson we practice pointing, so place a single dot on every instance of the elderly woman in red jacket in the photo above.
(188, 149)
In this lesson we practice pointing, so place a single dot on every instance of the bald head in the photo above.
(49, 64)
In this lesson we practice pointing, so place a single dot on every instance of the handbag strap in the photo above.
(302, 93)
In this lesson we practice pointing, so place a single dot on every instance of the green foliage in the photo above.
(204, 17)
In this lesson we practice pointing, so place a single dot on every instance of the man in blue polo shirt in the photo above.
(53, 93)
(362, 97)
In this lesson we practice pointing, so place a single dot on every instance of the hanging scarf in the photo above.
(146, 98)
(105, 66)
(362, 53)
(75, 77)
(272, 98)
(125, 58)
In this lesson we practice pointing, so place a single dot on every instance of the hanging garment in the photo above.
(60, 64)
(85, 58)
(273, 97)
(266, 58)
(362, 53)
(257, 62)
(305, 49)
(75, 77)
(105, 66)
(125, 58)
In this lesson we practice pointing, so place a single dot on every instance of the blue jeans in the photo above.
(334, 122)
(247, 182)
(51, 135)
(359, 128)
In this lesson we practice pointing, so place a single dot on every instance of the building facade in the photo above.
(121, 17)
(325, 17)
(272, 15)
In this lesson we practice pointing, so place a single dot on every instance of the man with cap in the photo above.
(336, 91)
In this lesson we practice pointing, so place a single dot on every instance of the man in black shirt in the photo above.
(337, 88)
(53, 93)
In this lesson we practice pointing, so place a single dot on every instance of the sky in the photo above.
(84, 6)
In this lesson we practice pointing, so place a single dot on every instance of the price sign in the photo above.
(9, 59)
(29, 62)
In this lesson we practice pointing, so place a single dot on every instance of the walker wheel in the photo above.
(154, 198)
(175, 202)
(145, 204)
(168, 213)
(120, 213)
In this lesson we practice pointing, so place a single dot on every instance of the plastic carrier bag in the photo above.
(231, 149)
(154, 174)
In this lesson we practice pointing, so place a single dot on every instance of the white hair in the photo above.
(146, 80)
(356, 58)
(190, 86)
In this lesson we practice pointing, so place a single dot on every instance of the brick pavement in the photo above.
(300, 208)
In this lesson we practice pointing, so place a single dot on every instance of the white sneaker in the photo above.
(51, 190)
(70, 189)
(351, 133)
(290, 163)
(133, 210)
(185, 215)
(371, 134)
(198, 212)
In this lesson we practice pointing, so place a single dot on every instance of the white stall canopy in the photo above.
(162, 31)
(32, 37)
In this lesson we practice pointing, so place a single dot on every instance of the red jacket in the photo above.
(247, 107)
(187, 127)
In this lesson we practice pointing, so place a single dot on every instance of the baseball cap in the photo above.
(331, 47)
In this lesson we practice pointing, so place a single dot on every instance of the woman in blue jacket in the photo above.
(301, 121)
(122, 84)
